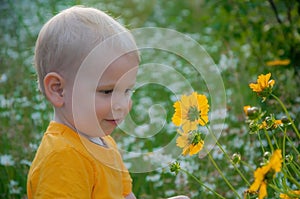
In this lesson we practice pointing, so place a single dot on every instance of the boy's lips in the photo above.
(114, 121)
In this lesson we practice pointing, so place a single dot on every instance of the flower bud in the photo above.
(289, 158)
(236, 158)
(269, 121)
(175, 167)
(266, 157)
(253, 112)
(254, 127)
(285, 120)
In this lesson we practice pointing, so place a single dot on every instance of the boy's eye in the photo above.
(128, 92)
(106, 91)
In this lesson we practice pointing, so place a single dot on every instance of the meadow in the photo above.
(240, 40)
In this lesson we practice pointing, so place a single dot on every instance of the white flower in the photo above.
(142, 130)
(36, 116)
(6, 160)
(33, 146)
(25, 162)
(14, 188)
(170, 192)
(3, 78)
(153, 178)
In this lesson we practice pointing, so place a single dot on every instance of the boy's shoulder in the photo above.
(60, 135)
(59, 139)
(60, 144)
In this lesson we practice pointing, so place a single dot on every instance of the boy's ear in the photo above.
(54, 87)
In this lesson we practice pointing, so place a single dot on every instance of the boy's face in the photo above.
(111, 98)
(113, 93)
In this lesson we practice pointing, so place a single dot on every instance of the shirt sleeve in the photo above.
(63, 174)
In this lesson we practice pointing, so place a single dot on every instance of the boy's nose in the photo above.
(120, 104)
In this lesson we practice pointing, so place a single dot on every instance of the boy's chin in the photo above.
(103, 134)
(107, 133)
(98, 134)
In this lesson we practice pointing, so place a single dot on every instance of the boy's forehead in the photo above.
(118, 62)
(124, 67)
(106, 54)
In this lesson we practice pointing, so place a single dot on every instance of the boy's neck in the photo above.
(68, 124)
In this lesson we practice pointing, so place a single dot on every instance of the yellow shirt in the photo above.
(67, 165)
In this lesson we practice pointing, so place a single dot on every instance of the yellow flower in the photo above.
(270, 125)
(191, 143)
(190, 111)
(283, 62)
(286, 196)
(266, 173)
(263, 83)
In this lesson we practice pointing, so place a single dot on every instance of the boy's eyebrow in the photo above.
(113, 85)
(106, 85)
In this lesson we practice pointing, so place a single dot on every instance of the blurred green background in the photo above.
(241, 36)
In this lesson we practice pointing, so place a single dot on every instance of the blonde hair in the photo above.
(67, 38)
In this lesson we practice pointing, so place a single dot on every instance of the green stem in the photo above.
(296, 165)
(290, 177)
(292, 145)
(221, 173)
(287, 114)
(284, 180)
(201, 183)
(275, 188)
(287, 174)
(269, 140)
(247, 165)
(286, 190)
(227, 156)
(295, 169)
(283, 147)
(261, 144)
(275, 141)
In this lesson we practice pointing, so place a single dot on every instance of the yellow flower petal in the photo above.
(189, 126)
(271, 83)
(187, 109)
(278, 62)
(194, 149)
(182, 141)
(246, 109)
(276, 160)
(262, 191)
(255, 87)
(188, 143)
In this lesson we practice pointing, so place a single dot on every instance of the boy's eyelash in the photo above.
(111, 90)
(106, 91)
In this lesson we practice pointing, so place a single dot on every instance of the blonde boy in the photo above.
(86, 64)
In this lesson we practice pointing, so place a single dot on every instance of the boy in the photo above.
(87, 65)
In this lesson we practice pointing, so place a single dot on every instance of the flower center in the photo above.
(196, 138)
(270, 175)
(193, 113)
